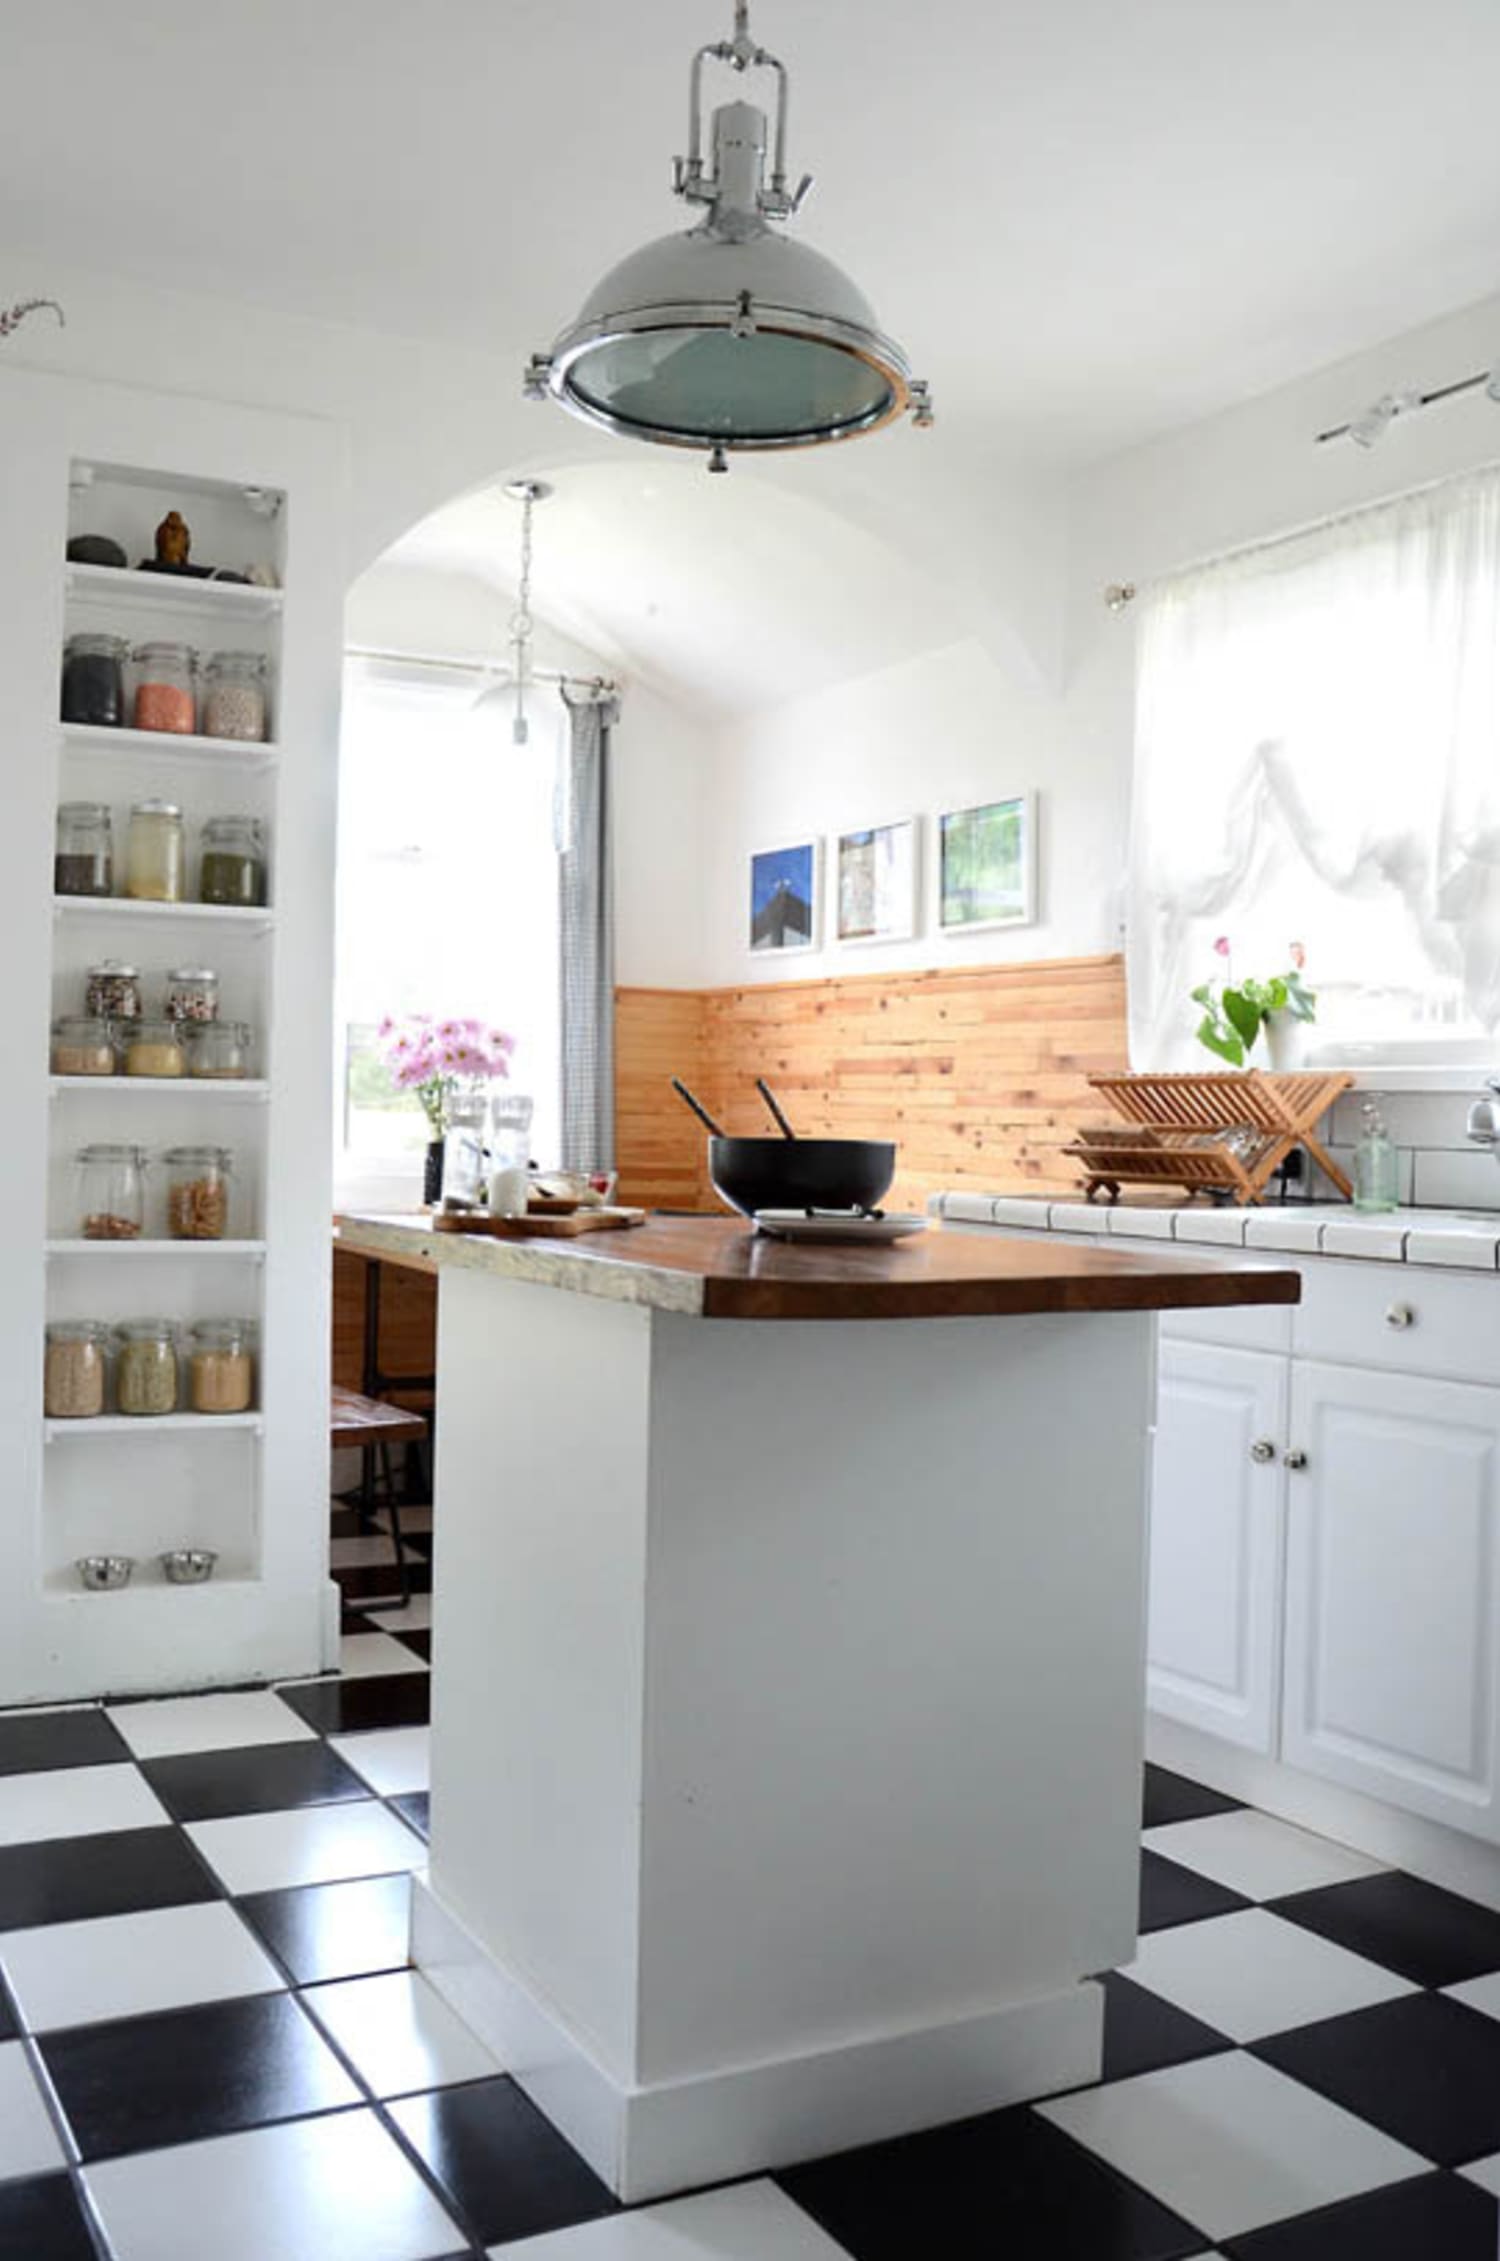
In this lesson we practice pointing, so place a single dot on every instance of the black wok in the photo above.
(801, 1173)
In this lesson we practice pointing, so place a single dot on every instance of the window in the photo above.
(447, 898)
(1318, 760)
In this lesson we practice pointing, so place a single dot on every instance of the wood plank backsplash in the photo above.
(978, 1072)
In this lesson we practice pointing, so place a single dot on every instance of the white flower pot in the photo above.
(1286, 1043)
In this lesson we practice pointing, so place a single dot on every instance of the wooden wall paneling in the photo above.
(660, 1149)
(408, 1320)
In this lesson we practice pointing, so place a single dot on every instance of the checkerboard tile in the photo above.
(206, 1999)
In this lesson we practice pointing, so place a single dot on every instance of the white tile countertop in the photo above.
(1468, 1240)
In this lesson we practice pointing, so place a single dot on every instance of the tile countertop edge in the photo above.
(1277, 1230)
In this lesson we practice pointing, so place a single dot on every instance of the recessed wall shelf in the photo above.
(146, 1587)
(114, 1251)
(111, 585)
(169, 745)
(205, 1087)
(153, 1425)
(253, 921)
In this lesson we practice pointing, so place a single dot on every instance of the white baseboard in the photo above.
(651, 2142)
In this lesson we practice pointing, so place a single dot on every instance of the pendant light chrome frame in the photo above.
(659, 290)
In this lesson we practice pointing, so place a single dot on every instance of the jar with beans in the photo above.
(113, 991)
(82, 1046)
(147, 1379)
(192, 994)
(154, 859)
(93, 681)
(83, 860)
(164, 698)
(154, 1048)
(234, 696)
(218, 1050)
(112, 1200)
(76, 1369)
(198, 1192)
(233, 869)
(221, 1367)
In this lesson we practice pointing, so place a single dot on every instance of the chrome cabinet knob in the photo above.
(1262, 1450)
(1294, 1459)
(1400, 1315)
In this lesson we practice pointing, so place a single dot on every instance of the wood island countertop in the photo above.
(717, 1268)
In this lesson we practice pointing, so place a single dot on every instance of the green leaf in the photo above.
(1219, 1040)
(1242, 1014)
(1203, 994)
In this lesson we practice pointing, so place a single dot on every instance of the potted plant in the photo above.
(437, 1060)
(1235, 1013)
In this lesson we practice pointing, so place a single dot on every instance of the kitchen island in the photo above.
(788, 1673)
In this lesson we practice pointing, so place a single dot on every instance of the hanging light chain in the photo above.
(528, 492)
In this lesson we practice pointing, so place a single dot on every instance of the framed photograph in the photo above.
(986, 859)
(784, 899)
(875, 883)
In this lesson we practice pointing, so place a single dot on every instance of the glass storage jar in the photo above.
(82, 1045)
(221, 1367)
(93, 681)
(234, 696)
(197, 1191)
(154, 1048)
(164, 688)
(113, 991)
(147, 1380)
(76, 1369)
(192, 994)
(233, 867)
(83, 859)
(154, 853)
(112, 1197)
(218, 1050)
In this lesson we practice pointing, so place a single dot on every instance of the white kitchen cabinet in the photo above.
(1393, 1589)
(1217, 1492)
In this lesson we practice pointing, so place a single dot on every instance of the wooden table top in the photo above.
(717, 1268)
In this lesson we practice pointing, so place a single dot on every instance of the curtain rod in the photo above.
(480, 663)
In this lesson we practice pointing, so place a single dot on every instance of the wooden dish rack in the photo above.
(1178, 1115)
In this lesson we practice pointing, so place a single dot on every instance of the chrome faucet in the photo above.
(1484, 1117)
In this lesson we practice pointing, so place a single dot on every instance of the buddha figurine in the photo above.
(173, 540)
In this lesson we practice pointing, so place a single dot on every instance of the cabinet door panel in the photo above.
(1391, 1590)
(1215, 1578)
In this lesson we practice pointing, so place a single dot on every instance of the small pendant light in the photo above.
(513, 694)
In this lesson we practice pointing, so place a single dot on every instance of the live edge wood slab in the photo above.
(716, 1268)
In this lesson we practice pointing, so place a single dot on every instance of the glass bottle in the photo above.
(76, 1369)
(192, 994)
(233, 866)
(218, 1050)
(113, 991)
(93, 681)
(154, 853)
(197, 1191)
(83, 859)
(221, 1367)
(112, 1201)
(82, 1045)
(463, 1150)
(147, 1380)
(164, 688)
(510, 1153)
(234, 697)
(1376, 1163)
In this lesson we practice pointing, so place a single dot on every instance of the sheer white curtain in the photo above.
(1318, 760)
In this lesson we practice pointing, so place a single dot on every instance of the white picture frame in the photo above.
(997, 839)
(785, 899)
(879, 903)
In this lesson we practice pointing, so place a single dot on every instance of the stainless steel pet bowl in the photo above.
(188, 1566)
(105, 1573)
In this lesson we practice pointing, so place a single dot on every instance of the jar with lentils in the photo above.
(83, 1046)
(76, 1369)
(192, 994)
(83, 860)
(147, 1378)
(113, 991)
(112, 1199)
(233, 866)
(164, 697)
(234, 696)
(197, 1191)
(154, 857)
(221, 1367)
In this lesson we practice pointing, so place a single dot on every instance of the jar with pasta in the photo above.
(197, 1192)
(234, 696)
(221, 1367)
(154, 858)
(112, 1196)
(83, 1045)
(192, 994)
(76, 1370)
(164, 698)
(113, 991)
(219, 1051)
(147, 1378)
(154, 1048)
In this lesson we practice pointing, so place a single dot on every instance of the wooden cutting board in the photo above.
(534, 1227)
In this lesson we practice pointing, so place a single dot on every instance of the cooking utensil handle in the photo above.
(700, 1111)
(770, 1099)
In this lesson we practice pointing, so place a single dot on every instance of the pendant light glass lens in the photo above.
(706, 385)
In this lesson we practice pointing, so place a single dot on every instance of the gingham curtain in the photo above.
(586, 929)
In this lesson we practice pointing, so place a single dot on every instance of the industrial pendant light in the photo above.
(730, 336)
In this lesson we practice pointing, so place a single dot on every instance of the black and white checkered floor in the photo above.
(212, 2048)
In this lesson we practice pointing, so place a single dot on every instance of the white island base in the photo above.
(787, 1715)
